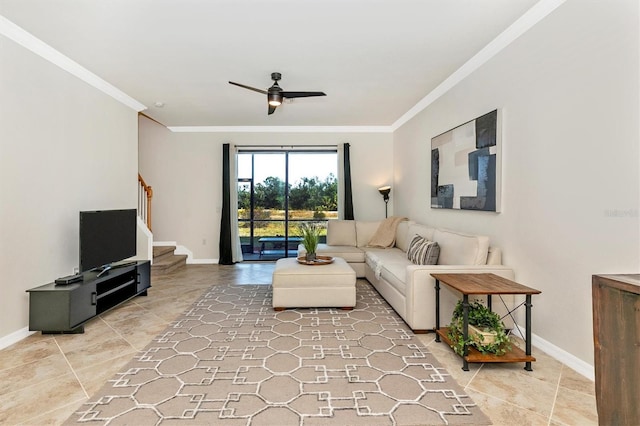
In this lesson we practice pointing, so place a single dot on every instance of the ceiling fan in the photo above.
(275, 94)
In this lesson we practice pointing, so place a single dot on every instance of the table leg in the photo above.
(465, 330)
(489, 301)
(527, 305)
(437, 310)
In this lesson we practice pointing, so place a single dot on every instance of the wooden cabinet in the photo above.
(65, 308)
(616, 337)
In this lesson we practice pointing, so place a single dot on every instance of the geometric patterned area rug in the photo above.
(232, 360)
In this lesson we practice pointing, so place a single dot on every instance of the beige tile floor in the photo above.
(45, 378)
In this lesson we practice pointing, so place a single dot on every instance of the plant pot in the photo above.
(481, 337)
(310, 257)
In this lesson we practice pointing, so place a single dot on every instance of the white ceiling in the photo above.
(375, 59)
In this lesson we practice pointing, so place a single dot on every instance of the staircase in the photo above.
(165, 260)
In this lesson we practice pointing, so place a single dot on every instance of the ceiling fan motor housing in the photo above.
(274, 93)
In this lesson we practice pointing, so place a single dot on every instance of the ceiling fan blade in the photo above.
(272, 109)
(264, 92)
(302, 94)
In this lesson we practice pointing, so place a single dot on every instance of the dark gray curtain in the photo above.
(348, 198)
(226, 254)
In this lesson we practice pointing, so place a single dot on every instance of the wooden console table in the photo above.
(485, 284)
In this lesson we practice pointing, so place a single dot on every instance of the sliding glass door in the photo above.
(279, 190)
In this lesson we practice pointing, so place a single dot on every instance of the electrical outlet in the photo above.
(76, 270)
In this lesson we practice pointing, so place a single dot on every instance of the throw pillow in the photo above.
(422, 251)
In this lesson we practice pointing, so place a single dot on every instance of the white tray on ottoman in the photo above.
(296, 285)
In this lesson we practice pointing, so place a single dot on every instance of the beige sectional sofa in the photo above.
(409, 288)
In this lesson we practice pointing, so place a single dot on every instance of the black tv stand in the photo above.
(64, 309)
(123, 265)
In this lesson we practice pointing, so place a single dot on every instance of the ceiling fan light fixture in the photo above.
(275, 99)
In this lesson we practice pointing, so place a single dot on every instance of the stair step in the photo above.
(159, 251)
(169, 263)
(165, 260)
(162, 253)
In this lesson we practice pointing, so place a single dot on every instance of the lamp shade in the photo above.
(385, 190)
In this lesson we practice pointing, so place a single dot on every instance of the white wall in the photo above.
(569, 93)
(64, 147)
(185, 171)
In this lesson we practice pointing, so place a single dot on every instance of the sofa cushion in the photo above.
(402, 235)
(395, 273)
(422, 251)
(364, 232)
(351, 254)
(391, 264)
(341, 232)
(494, 256)
(457, 248)
(389, 255)
(422, 230)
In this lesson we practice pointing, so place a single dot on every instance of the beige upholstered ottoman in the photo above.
(303, 286)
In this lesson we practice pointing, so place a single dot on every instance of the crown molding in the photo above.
(281, 129)
(534, 15)
(40, 48)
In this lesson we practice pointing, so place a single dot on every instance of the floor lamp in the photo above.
(385, 190)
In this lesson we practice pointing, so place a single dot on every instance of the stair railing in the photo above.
(145, 194)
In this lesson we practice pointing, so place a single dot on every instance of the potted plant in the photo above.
(486, 330)
(310, 237)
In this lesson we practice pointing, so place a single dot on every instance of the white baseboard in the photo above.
(203, 261)
(15, 337)
(190, 259)
(183, 250)
(571, 361)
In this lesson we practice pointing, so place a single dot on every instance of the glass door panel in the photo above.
(314, 185)
(269, 220)
(277, 191)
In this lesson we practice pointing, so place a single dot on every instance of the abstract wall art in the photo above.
(465, 165)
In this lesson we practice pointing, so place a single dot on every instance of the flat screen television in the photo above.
(106, 236)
